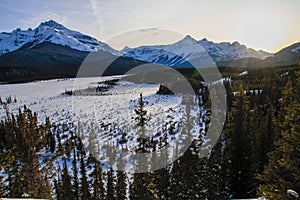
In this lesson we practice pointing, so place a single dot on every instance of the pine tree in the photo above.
(23, 142)
(175, 184)
(84, 185)
(110, 194)
(217, 179)
(142, 139)
(163, 183)
(142, 187)
(57, 188)
(240, 145)
(121, 185)
(141, 112)
(96, 177)
(50, 136)
(282, 172)
(75, 180)
(66, 185)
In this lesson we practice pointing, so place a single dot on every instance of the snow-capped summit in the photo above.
(181, 53)
(51, 23)
(53, 32)
(188, 49)
(231, 51)
(188, 39)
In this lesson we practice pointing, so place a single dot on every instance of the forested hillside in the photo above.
(257, 155)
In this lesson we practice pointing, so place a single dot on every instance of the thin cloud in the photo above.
(97, 12)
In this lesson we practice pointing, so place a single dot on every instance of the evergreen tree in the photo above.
(121, 185)
(241, 151)
(66, 185)
(84, 189)
(217, 178)
(142, 187)
(163, 182)
(58, 188)
(282, 172)
(22, 141)
(97, 179)
(110, 194)
(175, 184)
(141, 112)
(75, 180)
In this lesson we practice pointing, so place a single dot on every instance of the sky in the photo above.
(260, 24)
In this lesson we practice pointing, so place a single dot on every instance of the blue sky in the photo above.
(260, 24)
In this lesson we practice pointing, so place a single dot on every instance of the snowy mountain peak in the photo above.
(53, 32)
(203, 40)
(187, 39)
(187, 49)
(236, 43)
(51, 23)
(177, 54)
(126, 49)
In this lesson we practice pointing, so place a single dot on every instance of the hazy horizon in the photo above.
(267, 25)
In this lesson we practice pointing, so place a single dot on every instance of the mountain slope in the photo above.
(52, 32)
(287, 56)
(187, 49)
(43, 61)
(52, 51)
(231, 51)
(48, 60)
(177, 54)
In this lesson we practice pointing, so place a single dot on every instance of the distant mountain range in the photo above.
(187, 49)
(52, 50)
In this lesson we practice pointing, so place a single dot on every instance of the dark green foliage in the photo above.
(96, 180)
(75, 179)
(121, 185)
(21, 141)
(163, 182)
(282, 172)
(84, 190)
(143, 187)
(241, 150)
(141, 113)
(257, 153)
(66, 184)
(110, 194)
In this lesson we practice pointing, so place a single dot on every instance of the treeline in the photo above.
(258, 152)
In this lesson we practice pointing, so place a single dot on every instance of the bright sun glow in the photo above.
(260, 29)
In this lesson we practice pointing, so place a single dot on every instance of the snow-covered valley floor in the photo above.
(110, 114)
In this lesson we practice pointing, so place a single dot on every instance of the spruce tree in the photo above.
(142, 187)
(163, 181)
(66, 185)
(23, 141)
(282, 172)
(84, 185)
(241, 155)
(141, 112)
(121, 185)
(75, 179)
(96, 178)
(57, 189)
(110, 191)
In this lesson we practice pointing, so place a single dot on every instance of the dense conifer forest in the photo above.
(257, 154)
